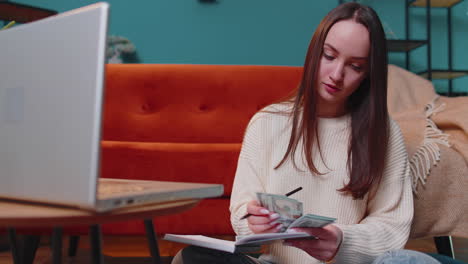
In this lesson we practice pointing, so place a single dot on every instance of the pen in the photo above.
(287, 194)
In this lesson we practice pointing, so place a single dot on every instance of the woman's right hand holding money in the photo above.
(261, 219)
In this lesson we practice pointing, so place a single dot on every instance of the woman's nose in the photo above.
(337, 75)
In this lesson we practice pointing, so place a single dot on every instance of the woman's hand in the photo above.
(262, 220)
(323, 248)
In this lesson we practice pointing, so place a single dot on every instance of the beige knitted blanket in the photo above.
(435, 129)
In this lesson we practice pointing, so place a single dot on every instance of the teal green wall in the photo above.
(264, 32)
(230, 32)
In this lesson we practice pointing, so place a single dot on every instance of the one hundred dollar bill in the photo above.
(311, 220)
(288, 209)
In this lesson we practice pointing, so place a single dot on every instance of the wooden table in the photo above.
(16, 215)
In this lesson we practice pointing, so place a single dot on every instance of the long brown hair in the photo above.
(367, 105)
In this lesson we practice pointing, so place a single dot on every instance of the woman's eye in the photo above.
(357, 68)
(328, 57)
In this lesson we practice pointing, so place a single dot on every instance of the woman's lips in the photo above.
(331, 88)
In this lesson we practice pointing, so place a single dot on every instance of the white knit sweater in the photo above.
(379, 222)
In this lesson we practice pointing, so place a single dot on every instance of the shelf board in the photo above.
(453, 94)
(21, 13)
(435, 3)
(445, 74)
(402, 45)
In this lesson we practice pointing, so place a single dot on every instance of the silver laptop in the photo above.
(51, 93)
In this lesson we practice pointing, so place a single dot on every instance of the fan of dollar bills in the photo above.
(290, 212)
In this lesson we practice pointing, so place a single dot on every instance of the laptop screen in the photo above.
(51, 92)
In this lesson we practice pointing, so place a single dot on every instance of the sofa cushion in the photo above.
(189, 103)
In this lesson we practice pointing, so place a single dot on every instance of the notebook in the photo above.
(51, 94)
(251, 243)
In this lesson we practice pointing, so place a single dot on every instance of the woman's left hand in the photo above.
(323, 248)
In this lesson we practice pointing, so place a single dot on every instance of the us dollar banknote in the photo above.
(288, 209)
(311, 220)
(291, 212)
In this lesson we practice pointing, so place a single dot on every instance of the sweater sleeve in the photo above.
(249, 178)
(389, 210)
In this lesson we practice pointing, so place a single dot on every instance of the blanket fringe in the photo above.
(428, 154)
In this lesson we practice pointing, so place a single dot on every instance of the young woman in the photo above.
(334, 139)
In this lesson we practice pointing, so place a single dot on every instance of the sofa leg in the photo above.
(73, 245)
(444, 246)
(152, 241)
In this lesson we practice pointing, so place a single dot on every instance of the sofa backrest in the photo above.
(189, 103)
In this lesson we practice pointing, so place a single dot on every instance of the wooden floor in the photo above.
(135, 246)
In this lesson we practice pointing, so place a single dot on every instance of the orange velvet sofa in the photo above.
(184, 123)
